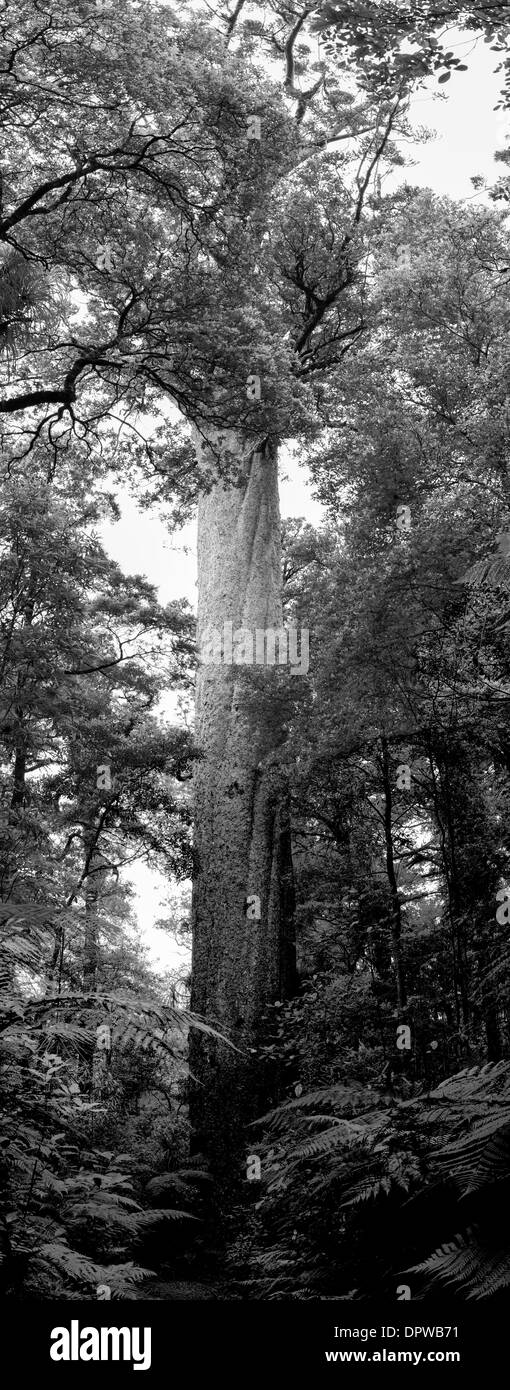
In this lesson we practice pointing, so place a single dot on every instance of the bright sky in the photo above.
(467, 132)
(467, 127)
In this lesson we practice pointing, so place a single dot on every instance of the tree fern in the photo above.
(66, 1205)
(475, 1270)
(455, 1138)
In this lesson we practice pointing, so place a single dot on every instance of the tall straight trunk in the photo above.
(22, 738)
(456, 896)
(90, 942)
(396, 911)
(242, 835)
(438, 812)
(94, 876)
(7, 867)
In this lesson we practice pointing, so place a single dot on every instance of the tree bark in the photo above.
(90, 942)
(242, 837)
(94, 876)
(396, 911)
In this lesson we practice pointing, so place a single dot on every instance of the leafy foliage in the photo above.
(73, 1211)
(151, 255)
(390, 1176)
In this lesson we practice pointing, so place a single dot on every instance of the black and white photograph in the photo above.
(255, 687)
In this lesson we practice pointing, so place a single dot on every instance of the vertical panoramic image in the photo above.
(255, 690)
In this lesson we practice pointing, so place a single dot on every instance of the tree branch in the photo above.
(234, 18)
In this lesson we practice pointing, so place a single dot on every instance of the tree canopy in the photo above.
(210, 249)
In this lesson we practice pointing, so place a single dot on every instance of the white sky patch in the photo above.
(140, 544)
(149, 904)
(468, 129)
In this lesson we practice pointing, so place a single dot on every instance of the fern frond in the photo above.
(344, 1132)
(340, 1097)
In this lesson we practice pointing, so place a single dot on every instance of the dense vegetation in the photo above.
(139, 279)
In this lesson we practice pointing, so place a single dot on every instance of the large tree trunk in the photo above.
(242, 835)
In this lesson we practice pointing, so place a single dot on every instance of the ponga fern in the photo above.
(467, 1265)
(437, 1161)
(481, 1159)
(476, 1163)
(344, 1132)
(70, 1217)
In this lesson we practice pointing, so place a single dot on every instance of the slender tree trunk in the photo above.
(19, 787)
(7, 840)
(456, 899)
(90, 944)
(447, 877)
(94, 881)
(243, 954)
(396, 915)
